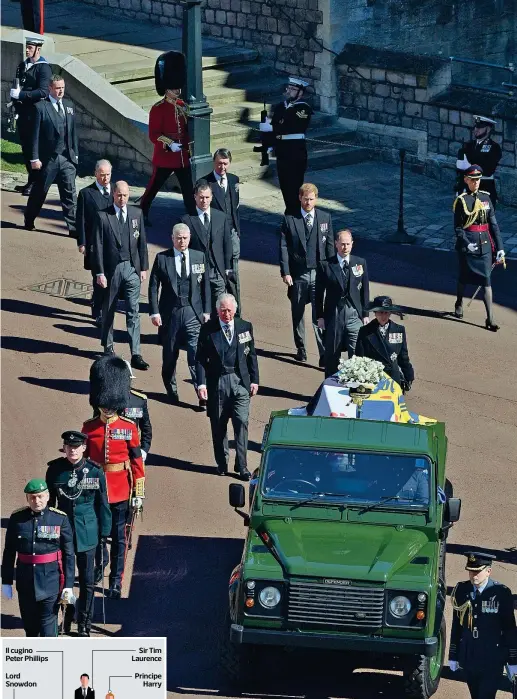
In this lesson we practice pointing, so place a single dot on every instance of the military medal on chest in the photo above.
(72, 482)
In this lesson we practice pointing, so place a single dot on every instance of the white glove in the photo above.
(137, 503)
(462, 164)
(68, 595)
(175, 147)
(472, 247)
(15, 92)
(454, 665)
(511, 671)
(7, 591)
(266, 126)
(500, 256)
(144, 454)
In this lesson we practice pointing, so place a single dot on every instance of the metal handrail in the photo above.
(510, 66)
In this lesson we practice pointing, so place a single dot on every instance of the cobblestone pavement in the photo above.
(363, 197)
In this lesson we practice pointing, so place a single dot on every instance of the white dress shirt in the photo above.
(101, 188)
(480, 588)
(342, 259)
(312, 214)
(177, 261)
(219, 178)
(55, 103)
(201, 215)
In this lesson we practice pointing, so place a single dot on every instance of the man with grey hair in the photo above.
(92, 199)
(227, 377)
(179, 300)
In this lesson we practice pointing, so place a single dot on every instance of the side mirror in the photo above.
(453, 509)
(237, 495)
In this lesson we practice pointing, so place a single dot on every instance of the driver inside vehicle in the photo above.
(416, 488)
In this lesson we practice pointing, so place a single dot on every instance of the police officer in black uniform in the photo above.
(289, 122)
(483, 151)
(42, 538)
(34, 75)
(483, 634)
(478, 242)
(78, 486)
(385, 341)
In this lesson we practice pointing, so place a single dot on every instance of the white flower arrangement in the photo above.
(360, 370)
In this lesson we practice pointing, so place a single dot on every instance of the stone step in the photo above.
(240, 138)
(144, 68)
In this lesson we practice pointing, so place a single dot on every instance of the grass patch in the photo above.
(12, 158)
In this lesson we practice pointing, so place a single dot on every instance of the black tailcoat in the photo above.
(391, 350)
(89, 202)
(107, 242)
(293, 242)
(220, 235)
(218, 201)
(45, 134)
(209, 366)
(39, 533)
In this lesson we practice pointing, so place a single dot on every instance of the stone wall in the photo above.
(389, 110)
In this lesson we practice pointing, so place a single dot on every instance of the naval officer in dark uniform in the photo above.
(40, 539)
(385, 341)
(285, 131)
(306, 239)
(78, 487)
(478, 242)
(483, 634)
(180, 278)
(227, 377)
(34, 75)
(342, 300)
(483, 151)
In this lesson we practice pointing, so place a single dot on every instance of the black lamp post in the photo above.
(199, 109)
(401, 235)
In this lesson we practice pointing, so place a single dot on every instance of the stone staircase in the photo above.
(236, 84)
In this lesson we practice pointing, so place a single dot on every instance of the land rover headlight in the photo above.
(269, 597)
(400, 606)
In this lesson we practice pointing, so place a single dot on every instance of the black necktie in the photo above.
(105, 192)
(308, 222)
(183, 266)
(228, 333)
(121, 217)
(60, 109)
(206, 220)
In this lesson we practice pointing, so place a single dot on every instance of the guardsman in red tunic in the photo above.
(114, 443)
(168, 131)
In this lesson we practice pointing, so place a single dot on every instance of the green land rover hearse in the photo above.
(345, 547)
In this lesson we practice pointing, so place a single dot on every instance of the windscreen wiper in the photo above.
(381, 501)
(318, 495)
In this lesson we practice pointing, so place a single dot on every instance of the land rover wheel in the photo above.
(236, 659)
(421, 680)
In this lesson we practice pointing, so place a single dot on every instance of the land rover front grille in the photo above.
(335, 604)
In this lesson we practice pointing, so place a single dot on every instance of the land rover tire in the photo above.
(421, 680)
(235, 658)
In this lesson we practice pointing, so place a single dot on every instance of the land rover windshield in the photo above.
(394, 481)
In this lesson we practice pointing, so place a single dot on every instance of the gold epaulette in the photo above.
(91, 419)
(60, 512)
(460, 196)
(138, 393)
(19, 509)
(159, 102)
(127, 419)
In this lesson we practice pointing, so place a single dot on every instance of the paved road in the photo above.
(190, 539)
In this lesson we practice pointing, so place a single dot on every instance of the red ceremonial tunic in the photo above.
(169, 118)
(114, 444)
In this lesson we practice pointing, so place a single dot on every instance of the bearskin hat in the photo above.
(170, 72)
(109, 383)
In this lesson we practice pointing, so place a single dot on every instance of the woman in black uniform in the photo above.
(478, 242)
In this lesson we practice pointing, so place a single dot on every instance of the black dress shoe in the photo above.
(83, 631)
(202, 405)
(20, 187)
(138, 363)
(491, 326)
(115, 591)
(458, 311)
(98, 575)
(301, 355)
(173, 398)
(221, 472)
(244, 474)
(27, 190)
(29, 226)
(98, 321)
(109, 350)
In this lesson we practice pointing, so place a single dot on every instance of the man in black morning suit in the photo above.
(92, 199)
(180, 278)
(342, 300)
(228, 376)
(306, 238)
(385, 341)
(120, 263)
(225, 188)
(55, 154)
(210, 234)
(84, 691)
